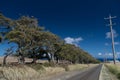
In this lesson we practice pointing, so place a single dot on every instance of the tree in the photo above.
(25, 34)
(45, 42)
(51, 42)
(74, 54)
(8, 52)
(6, 22)
(29, 35)
(17, 37)
(5, 26)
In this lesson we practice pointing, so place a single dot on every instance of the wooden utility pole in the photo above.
(112, 36)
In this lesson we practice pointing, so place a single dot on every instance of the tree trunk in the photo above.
(34, 60)
(48, 57)
(57, 59)
(4, 59)
(53, 59)
(21, 59)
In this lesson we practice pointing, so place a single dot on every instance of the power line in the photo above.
(112, 36)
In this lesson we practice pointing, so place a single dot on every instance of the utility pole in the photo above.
(112, 36)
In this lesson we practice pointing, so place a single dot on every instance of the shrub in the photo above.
(118, 75)
(49, 64)
(36, 66)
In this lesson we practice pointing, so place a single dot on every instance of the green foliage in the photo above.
(29, 36)
(114, 69)
(15, 36)
(118, 75)
(74, 54)
(4, 21)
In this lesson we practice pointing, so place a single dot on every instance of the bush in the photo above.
(36, 66)
(47, 64)
(118, 75)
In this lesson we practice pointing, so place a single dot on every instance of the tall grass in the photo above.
(29, 72)
(18, 73)
(35, 71)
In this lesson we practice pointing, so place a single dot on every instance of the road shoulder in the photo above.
(69, 74)
(106, 74)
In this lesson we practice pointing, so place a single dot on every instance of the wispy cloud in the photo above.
(99, 54)
(105, 54)
(115, 43)
(74, 41)
(108, 34)
(106, 44)
(109, 54)
(118, 53)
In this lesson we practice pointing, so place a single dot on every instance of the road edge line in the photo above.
(100, 74)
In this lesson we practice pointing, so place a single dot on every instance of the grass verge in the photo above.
(114, 69)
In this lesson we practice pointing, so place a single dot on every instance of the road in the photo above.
(90, 74)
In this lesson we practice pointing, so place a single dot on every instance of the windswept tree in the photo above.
(5, 22)
(34, 41)
(68, 52)
(8, 52)
(24, 34)
(45, 42)
(74, 54)
(5, 26)
(17, 37)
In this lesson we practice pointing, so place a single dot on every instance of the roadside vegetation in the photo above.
(35, 72)
(114, 69)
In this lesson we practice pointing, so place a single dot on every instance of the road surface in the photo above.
(90, 74)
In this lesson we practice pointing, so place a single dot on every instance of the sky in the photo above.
(79, 22)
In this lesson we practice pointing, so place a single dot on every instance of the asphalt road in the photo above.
(90, 74)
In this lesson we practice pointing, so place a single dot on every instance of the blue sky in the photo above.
(79, 22)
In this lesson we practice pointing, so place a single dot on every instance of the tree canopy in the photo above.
(34, 39)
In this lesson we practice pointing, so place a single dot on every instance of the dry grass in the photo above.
(77, 67)
(54, 70)
(28, 73)
(80, 66)
(18, 73)
(51, 72)
(22, 72)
